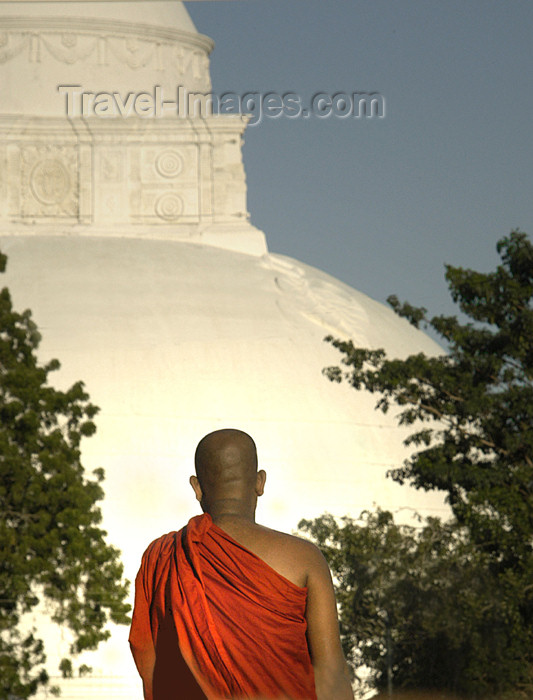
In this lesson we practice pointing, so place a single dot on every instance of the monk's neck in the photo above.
(221, 513)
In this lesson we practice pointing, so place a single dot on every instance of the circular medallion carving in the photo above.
(169, 164)
(169, 206)
(50, 181)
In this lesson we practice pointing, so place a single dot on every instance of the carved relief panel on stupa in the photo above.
(165, 183)
(44, 182)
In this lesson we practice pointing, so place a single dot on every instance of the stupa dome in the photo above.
(175, 340)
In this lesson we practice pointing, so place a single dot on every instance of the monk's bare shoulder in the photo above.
(290, 540)
(298, 557)
(300, 545)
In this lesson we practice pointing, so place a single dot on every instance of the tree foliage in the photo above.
(419, 607)
(51, 544)
(473, 407)
(471, 411)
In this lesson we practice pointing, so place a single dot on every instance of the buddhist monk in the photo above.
(228, 609)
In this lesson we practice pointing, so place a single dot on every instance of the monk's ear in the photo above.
(193, 481)
(260, 482)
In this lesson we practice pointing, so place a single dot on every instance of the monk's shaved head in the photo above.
(226, 463)
(227, 482)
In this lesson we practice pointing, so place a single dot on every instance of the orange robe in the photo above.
(240, 625)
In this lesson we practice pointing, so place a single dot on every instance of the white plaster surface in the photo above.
(130, 242)
(174, 340)
(101, 47)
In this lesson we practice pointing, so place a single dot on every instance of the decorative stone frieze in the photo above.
(44, 53)
(129, 46)
(181, 177)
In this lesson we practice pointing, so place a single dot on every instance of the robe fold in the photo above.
(240, 626)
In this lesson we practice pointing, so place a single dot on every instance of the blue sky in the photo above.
(383, 204)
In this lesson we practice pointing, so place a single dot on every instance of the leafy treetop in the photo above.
(472, 408)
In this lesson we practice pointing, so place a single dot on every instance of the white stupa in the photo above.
(130, 240)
